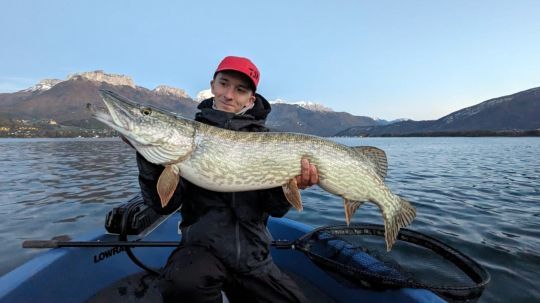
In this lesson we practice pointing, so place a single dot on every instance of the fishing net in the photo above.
(357, 254)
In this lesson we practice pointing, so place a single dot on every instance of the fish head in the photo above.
(159, 136)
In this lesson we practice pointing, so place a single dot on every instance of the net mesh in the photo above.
(357, 254)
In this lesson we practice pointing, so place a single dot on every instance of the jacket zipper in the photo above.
(237, 231)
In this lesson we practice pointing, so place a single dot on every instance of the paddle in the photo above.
(281, 244)
(57, 244)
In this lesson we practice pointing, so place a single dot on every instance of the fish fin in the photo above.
(350, 208)
(167, 183)
(377, 157)
(403, 217)
(292, 194)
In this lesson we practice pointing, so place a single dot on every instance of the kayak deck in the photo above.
(79, 274)
(144, 287)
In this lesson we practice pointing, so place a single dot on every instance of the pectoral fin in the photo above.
(167, 183)
(293, 194)
(350, 208)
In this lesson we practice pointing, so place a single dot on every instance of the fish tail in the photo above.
(403, 217)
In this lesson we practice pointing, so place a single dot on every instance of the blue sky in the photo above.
(388, 59)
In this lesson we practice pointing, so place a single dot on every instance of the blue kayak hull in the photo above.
(77, 274)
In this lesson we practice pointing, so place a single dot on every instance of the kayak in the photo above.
(85, 273)
(107, 274)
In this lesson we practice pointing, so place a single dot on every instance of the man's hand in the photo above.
(308, 175)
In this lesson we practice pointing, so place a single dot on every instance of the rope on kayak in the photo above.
(123, 237)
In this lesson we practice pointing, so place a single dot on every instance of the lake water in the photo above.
(480, 195)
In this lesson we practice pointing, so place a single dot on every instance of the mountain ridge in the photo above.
(64, 101)
(518, 112)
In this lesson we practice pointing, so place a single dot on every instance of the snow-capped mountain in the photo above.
(203, 95)
(65, 100)
(43, 85)
(305, 104)
(386, 122)
(166, 90)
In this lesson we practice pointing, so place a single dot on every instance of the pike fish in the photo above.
(227, 161)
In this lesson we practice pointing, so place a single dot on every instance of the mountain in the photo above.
(66, 100)
(305, 104)
(295, 118)
(203, 95)
(518, 112)
(63, 103)
(306, 117)
(165, 90)
(43, 85)
(386, 122)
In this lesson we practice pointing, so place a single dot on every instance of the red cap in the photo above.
(242, 65)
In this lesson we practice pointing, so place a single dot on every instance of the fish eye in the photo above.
(146, 111)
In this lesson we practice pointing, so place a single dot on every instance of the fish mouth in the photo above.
(119, 113)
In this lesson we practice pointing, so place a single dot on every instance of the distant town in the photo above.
(19, 128)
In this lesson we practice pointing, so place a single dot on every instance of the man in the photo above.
(225, 242)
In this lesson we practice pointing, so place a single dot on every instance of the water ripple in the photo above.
(480, 195)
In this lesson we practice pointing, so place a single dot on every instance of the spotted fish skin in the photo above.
(228, 161)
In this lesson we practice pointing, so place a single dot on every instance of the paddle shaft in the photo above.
(56, 244)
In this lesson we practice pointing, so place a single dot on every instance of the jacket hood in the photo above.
(260, 110)
(252, 120)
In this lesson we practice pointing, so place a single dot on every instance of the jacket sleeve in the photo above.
(275, 203)
(148, 177)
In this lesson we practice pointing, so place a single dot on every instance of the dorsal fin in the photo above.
(377, 157)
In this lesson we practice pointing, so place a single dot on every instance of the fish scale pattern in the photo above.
(227, 161)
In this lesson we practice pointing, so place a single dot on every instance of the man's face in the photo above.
(232, 92)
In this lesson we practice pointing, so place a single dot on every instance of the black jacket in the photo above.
(231, 225)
